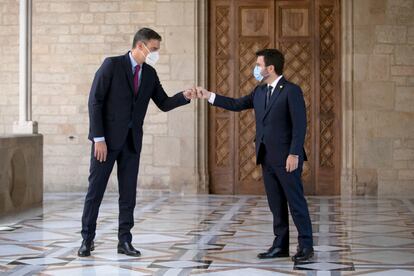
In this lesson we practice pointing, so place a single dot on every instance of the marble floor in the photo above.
(210, 235)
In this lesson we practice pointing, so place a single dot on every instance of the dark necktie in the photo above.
(136, 79)
(268, 95)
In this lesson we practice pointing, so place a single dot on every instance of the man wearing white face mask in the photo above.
(118, 102)
(280, 134)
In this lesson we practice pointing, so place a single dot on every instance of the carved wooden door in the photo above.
(307, 32)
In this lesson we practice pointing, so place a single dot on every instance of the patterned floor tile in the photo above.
(12, 250)
(211, 235)
(383, 241)
(101, 270)
(329, 248)
(385, 257)
(245, 272)
(41, 261)
(324, 266)
(181, 264)
(390, 272)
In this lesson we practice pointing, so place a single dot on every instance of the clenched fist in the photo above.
(190, 93)
(203, 93)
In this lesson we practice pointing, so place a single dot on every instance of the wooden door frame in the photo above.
(347, 164)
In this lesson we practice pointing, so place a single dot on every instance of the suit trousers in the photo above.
(285, 189)
(127, 163)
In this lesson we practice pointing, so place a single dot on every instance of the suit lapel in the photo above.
(128, 71)
(262, 100)
(279, 87)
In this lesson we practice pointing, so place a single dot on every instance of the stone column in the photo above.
(25, 125)
(347, 152)
(202, 106)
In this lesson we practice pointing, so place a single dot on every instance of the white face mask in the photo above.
(152, 57)
(257, 73)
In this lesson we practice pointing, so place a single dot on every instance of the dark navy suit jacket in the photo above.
(113, 109)
(281, 127)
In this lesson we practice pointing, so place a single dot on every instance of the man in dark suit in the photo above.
(280, 133)
(118, 102)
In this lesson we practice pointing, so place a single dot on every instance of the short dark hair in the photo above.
(144, 35)
(273, 57)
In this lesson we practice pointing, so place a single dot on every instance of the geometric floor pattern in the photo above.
(210, 235)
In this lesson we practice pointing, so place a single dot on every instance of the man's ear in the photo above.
(139, 45)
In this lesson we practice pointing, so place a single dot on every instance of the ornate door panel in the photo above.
(307, 32)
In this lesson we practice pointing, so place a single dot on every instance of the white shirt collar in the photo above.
(133, 62)
(273, 84)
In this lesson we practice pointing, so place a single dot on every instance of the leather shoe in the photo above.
(303, 254)
(86, 248)
(127, 249)
(274, 252)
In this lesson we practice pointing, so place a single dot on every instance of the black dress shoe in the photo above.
(303, 254)
(274, 252)
(86, 248)
(127, 249)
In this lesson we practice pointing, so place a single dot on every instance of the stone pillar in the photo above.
(25, 125)
(201, 105)
(347, 149)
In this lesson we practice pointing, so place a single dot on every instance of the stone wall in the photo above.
(70, 40)
(383, 84)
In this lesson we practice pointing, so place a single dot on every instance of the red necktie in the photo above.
(136, 79)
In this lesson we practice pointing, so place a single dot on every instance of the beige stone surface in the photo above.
(399, 70)
(379, 67)
(374, 95)
(387, 174)
(403, 154)
(21, 172)
(360, 67)
(389, 188)
(383, 106)
(374, 154)
(391, 125)
(366, 181)
(390, 34)
(70, 41)
(364, 39)
(404, 99)
(404, 54)
(167, 151)
(369, 12)
(406, 175)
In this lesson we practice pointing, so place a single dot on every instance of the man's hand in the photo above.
(292, 163)
(190, 93)
(100, 151)
(203, 93)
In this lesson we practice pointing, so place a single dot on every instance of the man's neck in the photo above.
(271, 79)
(137, 56)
